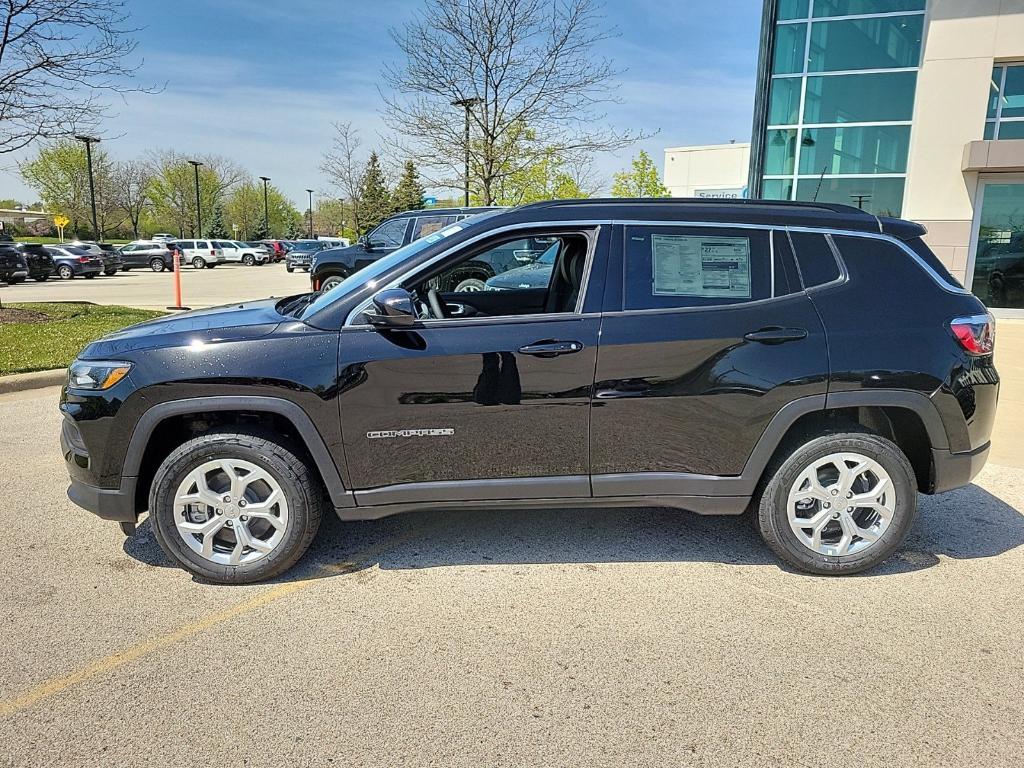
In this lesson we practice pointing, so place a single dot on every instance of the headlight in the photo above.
(96, 374)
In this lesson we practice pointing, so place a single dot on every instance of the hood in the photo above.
(531, 276)
(233, 322)
(342, 254)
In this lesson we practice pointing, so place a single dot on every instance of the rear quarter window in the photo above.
(815, 258)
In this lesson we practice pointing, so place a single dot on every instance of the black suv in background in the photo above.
(13, 268)
(38, 260)
(333, 265)
(808, 362)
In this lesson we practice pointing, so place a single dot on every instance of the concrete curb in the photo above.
(20, 382)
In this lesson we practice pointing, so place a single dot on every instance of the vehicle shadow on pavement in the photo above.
(964, 524)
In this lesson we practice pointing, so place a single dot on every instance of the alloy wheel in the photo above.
(841, 504)
(231, 511)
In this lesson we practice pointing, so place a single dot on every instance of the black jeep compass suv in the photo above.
(811, 363)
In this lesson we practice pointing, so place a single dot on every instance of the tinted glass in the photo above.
(793, 9)
(879, 43)
(864, 149)
(1013, 92)
(999, 264)
(777, 189)
(390, 234)
(855, 7)
(882, 197)
(784, 101)
(990, 131)
(860, 98)
(993, 91)
(780, 152)
(1011, 130)
(677, 267)
(815, 258)
(427, 225)
(790, 44)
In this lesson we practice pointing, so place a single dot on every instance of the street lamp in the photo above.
(310, 213)
(199, 211)
(266, 206)
(89, 141)
(467, 104)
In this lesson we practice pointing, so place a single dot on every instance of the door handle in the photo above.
(776, 335)
(551, 348)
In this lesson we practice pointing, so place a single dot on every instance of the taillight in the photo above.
(83, 259)
(976, 334)
(213, 252)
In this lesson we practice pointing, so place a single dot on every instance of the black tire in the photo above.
(210, 266)
(302, 489)
(109, 272)
(470, 285)
(65, 272)
(90, 276)
(330, 281)
(157, 265)
(249, 260)
(41, 278)
(16, 280)
(198, 262)
(289, 269)
(772, 518)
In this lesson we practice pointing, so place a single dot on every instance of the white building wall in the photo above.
(716, 170)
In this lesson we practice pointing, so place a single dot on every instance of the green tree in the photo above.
(409, 192)
(642, 181)
(216, 227)
(173, 193)
(244, 209)
(374, 196)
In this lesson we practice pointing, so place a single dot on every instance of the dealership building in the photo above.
(911, 108)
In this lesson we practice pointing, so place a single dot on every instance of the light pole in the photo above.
(199, 211)
(310, 213)
(467, 104)
(266, 206)
(89, 141)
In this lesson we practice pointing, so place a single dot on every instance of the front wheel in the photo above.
(249, 260)
(841, 503)
(235, 507)
(109, 272)
(470, 285)
(198, 262)
(331, 282)
(89, 276)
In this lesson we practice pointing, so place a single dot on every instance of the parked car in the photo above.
(38, 261)
(332, 266)
(535, 273)
(278, 249)
(108, 253)
(161, 237)
(157, 256)
(70, 262)
(242, 253)
(200, 253)
(809, 362)
(13, 268)
(300, 254)
(260, 246)
(334, 242)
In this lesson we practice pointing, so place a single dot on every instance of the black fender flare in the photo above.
(314, 443)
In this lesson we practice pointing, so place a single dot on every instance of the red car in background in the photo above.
(278, 249)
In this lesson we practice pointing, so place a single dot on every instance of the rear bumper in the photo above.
(108, 503)
(954, 470)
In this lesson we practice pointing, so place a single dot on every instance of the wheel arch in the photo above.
(166, 425)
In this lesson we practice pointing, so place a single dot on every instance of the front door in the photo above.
(491, 402)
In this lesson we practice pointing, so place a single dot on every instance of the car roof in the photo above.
(696, 210)
(446, 211)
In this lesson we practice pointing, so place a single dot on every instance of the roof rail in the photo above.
(792, 204)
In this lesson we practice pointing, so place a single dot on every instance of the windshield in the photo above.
(306, 247)
(382, 266)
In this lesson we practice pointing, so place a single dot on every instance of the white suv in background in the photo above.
(201, 253)
(237, 252)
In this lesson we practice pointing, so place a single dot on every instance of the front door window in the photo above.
(998, 274)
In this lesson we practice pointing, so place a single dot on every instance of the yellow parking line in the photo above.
(108, 663)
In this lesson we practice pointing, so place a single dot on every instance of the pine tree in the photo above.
(217, 228)
(374, 199)
(642, 181)
(408, 194)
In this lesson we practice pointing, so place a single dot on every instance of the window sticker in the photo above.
(701, 265)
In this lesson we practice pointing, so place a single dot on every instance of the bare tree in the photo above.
(528, 71)
(344, 165)
(57, 57)
(172, 186)
(131, 190)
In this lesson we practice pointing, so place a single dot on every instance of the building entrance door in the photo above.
(996, 272)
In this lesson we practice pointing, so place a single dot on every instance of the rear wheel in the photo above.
(198, 262)
(841, 503)
(157, 265)
(65, 272)
(109, 272)
(235, 507)
(470, 285)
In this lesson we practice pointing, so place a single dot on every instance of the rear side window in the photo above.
(679, 267)
(815, 258)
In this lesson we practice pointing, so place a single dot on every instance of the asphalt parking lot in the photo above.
(588, 637)
(151, 290)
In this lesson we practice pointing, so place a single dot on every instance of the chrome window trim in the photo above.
(363, 306)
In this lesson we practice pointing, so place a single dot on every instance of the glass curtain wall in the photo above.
(841, 100)
(1006, 105)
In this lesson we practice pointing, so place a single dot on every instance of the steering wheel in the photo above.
(437, 306)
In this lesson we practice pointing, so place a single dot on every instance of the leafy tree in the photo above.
(332, 216)
(244, 209)
(173, 193)
(409, 192)
(375, 200)
(216, 227)
(295, 230)
(642, 181)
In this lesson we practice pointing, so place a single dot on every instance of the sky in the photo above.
(262, 81)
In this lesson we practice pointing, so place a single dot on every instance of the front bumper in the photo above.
(108, 503)
(955, 470)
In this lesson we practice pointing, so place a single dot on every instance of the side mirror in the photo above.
(395, 309)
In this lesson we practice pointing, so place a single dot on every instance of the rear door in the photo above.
(708, 334)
